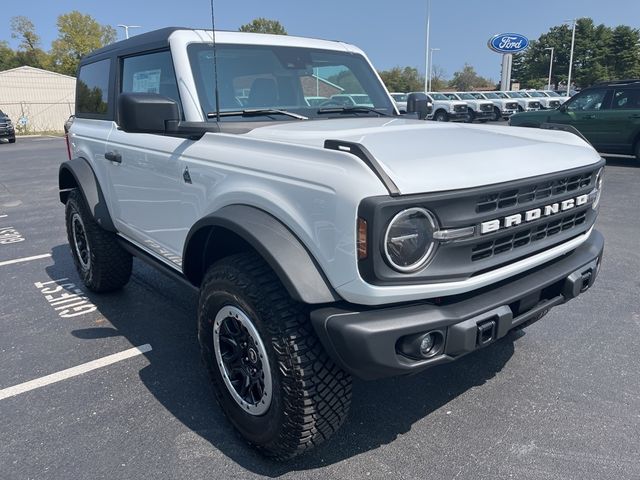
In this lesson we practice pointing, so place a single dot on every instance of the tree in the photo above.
(400, 79)
(7, 56)
(438, 79)
(29, 51)
(263, 25)
(468, 79)
(601, 53)
(78, 35)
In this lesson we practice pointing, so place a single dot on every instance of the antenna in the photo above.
(215, 62)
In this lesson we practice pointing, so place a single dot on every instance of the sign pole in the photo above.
(505, 80)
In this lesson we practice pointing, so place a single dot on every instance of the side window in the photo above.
(626, 99)
(150, 73)
(92, 88)
(590, 100)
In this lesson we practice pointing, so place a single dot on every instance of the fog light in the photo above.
(421, 345)
(427, 343)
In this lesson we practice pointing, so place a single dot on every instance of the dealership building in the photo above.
(37, 100)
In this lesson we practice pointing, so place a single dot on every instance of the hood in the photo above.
(421, 156)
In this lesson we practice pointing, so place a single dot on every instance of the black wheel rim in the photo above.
(83, 252)
(242, 360)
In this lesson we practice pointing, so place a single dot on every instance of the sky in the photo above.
(391, 33)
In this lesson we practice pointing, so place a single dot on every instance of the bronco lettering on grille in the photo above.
(533, 214)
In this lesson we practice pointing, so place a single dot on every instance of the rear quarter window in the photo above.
(92, 89)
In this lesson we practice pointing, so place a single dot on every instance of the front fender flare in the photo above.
(77, 173)
(281, 249)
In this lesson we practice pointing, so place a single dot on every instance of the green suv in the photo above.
(607, 114)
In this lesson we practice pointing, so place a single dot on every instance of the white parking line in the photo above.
(24, 259)
(73, 371)
(3, 216)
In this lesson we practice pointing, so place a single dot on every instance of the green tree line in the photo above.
(601, 53)
(78, 34)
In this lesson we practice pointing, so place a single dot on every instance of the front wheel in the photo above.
(470, 116)
(441, 116)
(497, 115)
(270, 373)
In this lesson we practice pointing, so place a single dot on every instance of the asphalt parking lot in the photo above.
(559, 401)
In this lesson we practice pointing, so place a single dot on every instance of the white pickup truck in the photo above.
(477, 109)
(325, 241)
(445, 109)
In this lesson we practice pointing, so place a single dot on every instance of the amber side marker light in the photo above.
(362, 239)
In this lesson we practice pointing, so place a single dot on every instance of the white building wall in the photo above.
(45, 99)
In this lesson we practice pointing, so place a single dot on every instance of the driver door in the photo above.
(584, 112)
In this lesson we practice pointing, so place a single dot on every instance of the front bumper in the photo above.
(364, 341)
(507, 113)
(457, 116)
(10, 134)
(480, 115)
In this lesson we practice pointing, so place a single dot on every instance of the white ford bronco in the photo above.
(326, 241)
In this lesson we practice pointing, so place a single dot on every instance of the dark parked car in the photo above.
(6, 128)
(607, 114)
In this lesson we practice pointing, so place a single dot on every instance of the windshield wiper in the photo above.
(256, 112)
(356, 109)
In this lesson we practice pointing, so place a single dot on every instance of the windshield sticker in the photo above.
(147, 81)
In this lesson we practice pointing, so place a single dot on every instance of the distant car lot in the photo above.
(558, 401)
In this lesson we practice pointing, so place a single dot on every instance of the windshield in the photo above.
(502, 95)
(514, 95)
(439, 96)
(399, 97)
(491, 95)
(466, 96)
(451, 96)
(293, 79)
(551, 93)
(536, 94)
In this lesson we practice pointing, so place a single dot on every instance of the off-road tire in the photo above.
(12, 140)
(311, 395)
(108, 265)
(497, 114)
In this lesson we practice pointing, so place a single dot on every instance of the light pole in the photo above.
(126, 29)
(431, 50)
(550, 67)
(573, 41)
(426, 48)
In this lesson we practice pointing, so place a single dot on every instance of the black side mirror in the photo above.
(563, 108)
(147, 113)
(418, 103)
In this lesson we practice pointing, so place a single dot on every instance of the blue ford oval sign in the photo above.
(508, 43)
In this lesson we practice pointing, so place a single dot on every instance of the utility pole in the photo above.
(426, 48)
(550, 67)
(126, 29)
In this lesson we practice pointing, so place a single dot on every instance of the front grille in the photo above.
(512, 106)
(531, 193)
(459, 108)
(534, 104)
(522, 238)
(486, 107)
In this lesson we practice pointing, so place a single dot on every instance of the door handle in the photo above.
(113, 156)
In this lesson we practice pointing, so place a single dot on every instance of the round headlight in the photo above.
(598, 188)
(408, 242)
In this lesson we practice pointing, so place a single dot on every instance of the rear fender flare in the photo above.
(77, 173)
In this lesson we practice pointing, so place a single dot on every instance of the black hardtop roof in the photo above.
(142, 41)
(633, 82)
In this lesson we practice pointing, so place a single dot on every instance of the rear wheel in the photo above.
(271, 375)
(103, 265)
